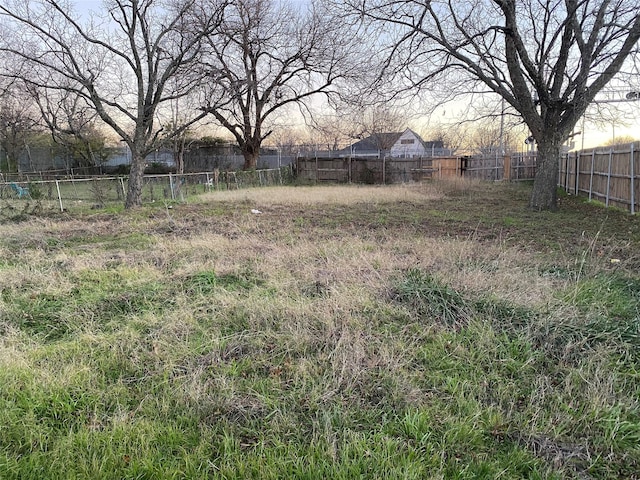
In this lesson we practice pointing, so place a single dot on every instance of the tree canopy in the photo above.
(548, 59)
(268, 56)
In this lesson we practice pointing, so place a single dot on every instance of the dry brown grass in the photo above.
(334, 195)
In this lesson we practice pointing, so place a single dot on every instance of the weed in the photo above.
(431, 298)
(100, 191)
(609, 307)
(504, 315)
(35, 191)
(509, 221)
(205, 282)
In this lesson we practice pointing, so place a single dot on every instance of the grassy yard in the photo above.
(410, 332)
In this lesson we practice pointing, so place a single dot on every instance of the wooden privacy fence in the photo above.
(362, 169)
(376, 170)
(606, 174)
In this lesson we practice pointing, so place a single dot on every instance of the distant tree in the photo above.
(491, 136)
(620, 140)
(173, 118)
(73, 125)
(178, 142)
(379, 123)
(268, 57)
(19, 122)
(124, 65)
(288, 141)
(547, 59)
(453, 136)
(213, 141)
(331, 130)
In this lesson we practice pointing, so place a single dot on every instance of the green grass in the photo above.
(402, 332)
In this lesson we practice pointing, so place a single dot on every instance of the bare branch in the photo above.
(267, 56)
(548, 59)
(121, 67)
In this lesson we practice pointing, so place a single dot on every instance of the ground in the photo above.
(424, 331)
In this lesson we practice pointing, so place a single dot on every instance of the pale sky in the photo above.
(626, 123)
(86, 5)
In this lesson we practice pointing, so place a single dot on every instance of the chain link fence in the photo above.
(98, 192)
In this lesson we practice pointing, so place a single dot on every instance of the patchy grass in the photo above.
(425, 331)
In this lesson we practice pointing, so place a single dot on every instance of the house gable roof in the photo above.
(377, 141)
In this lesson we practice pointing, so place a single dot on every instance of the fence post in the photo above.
(578, 158)
(384, 170)
(506, 167)
(633, 187)
(59, 196)
(593, 161)
(124, 190)
(609, 176)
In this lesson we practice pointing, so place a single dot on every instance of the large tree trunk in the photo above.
(178, 154)
(180, 161)
(136, 178)
(250, 160)
(544, 195)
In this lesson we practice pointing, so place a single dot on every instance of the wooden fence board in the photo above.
(606, 174)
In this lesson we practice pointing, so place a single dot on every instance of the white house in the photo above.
(407, 144)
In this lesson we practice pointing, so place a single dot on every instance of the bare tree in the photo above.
(620, 140)
(491, 136)
(454, 137)
(73, 124)
(288, 141)
(331, 130)
(19, 121)
(122, 65)
(177, 141)
(548, 59)
(268, 57)
(381, 124)
(178, 114)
